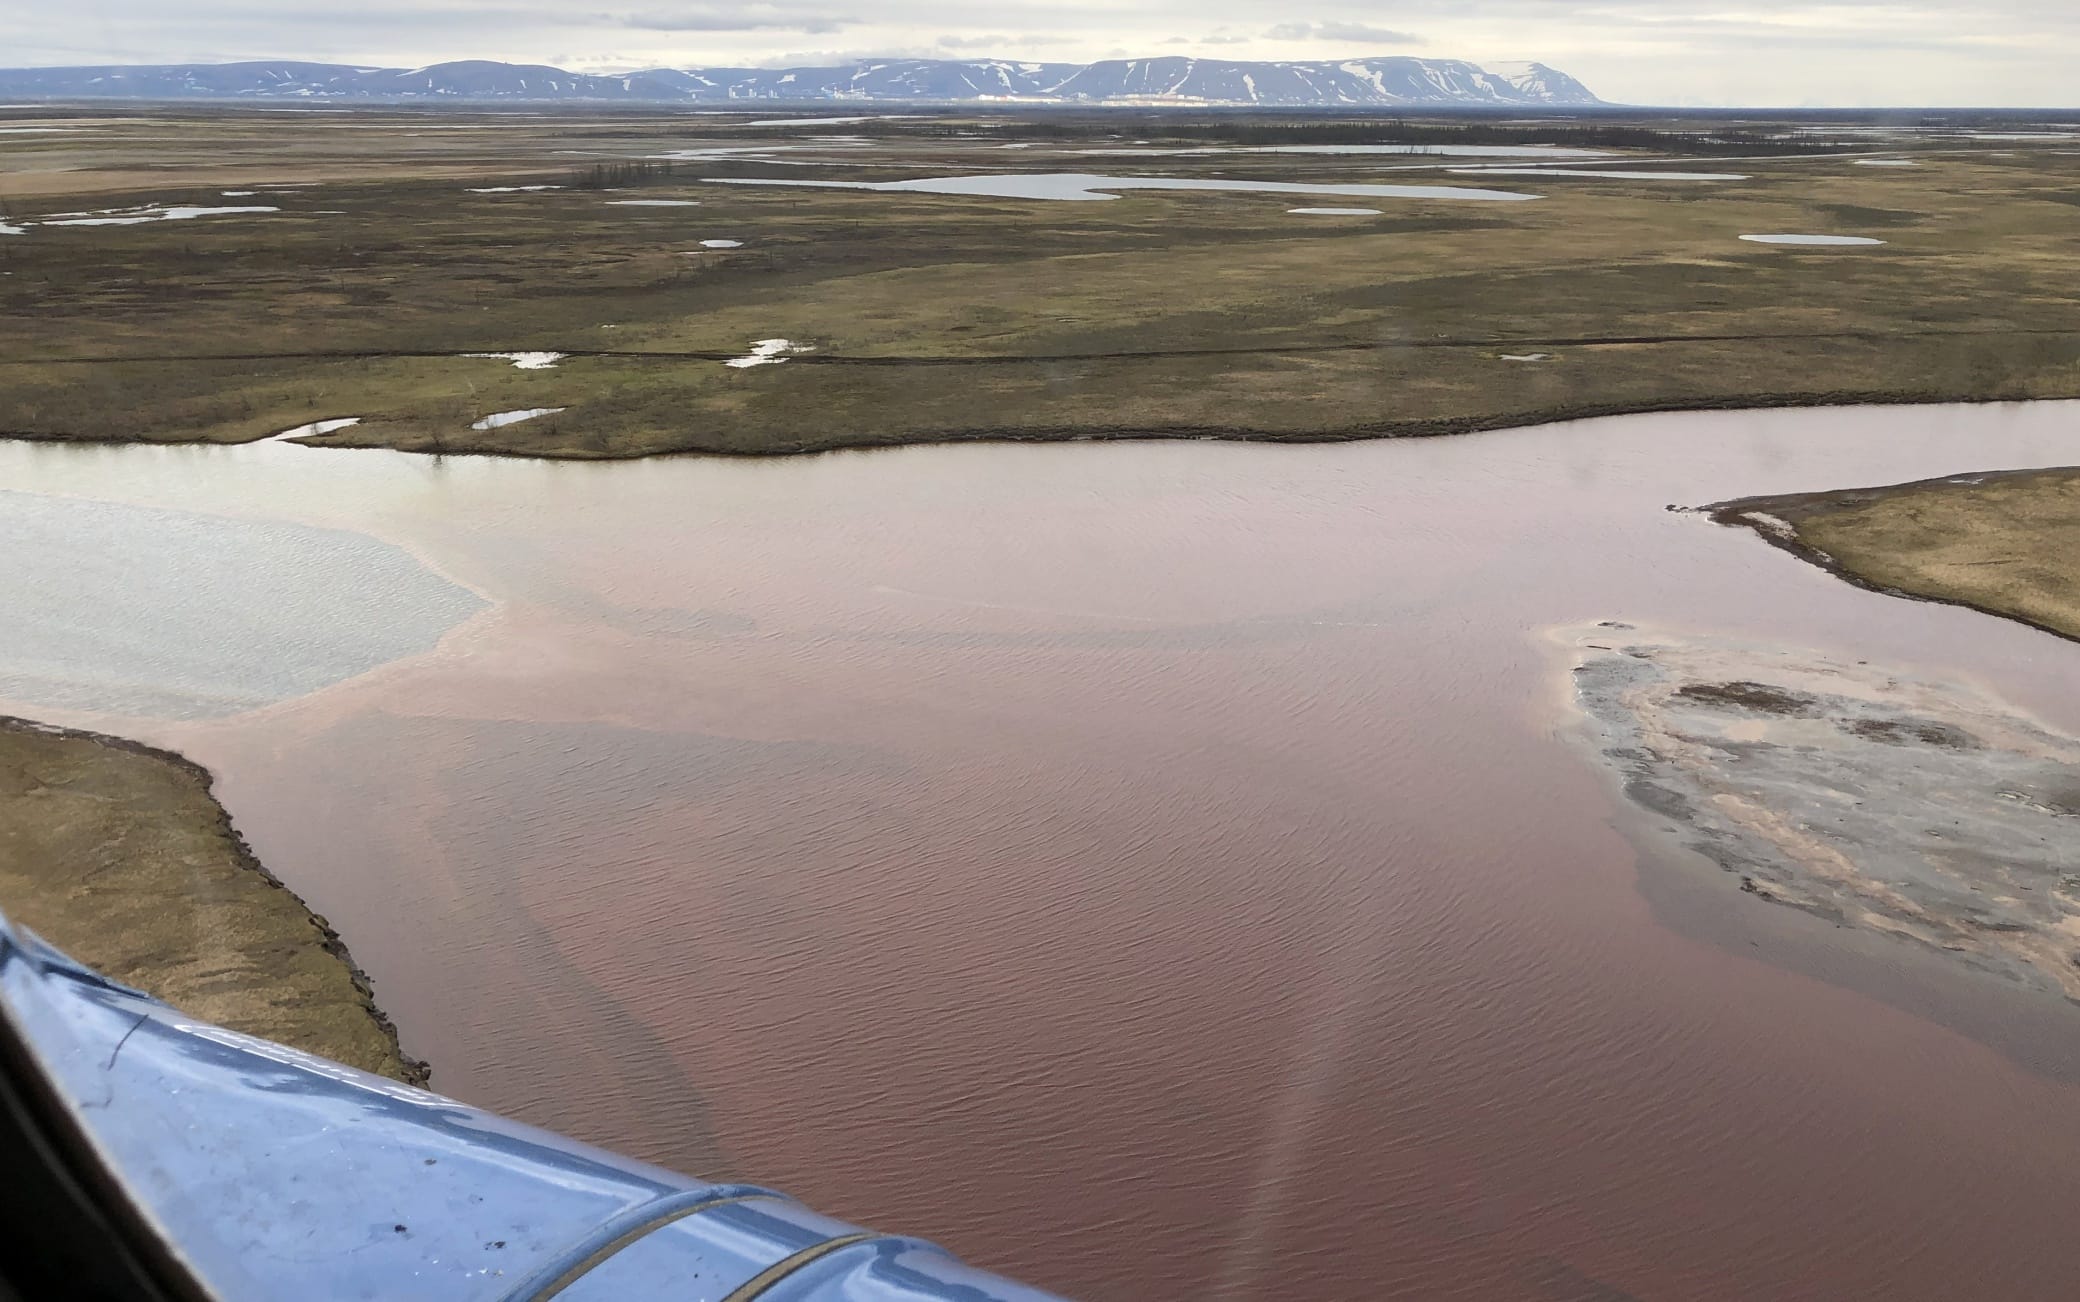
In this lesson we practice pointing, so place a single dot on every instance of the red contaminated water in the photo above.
(1156, 870)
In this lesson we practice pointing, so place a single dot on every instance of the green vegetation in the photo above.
(117, 854)
(953, 318)
(2002, 543)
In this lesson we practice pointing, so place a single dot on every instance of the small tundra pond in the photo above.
(1605, 173)
(501, 418)
(144, 215)
(1189, 870)
(1441, 151)
(767, 352)
(1086, 186)
(1816, 241)
(524, 361)
(316, 427)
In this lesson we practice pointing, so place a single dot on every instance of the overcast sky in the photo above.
(1744, 52)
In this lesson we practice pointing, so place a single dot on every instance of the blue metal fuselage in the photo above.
(271, 1173)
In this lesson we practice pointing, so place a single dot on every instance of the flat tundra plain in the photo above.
(229, 275)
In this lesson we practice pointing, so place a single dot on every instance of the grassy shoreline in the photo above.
(118, 853)
(2004, 543)
(1439, 427)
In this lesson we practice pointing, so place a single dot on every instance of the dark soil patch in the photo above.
(1908, 732)
(1751, 696)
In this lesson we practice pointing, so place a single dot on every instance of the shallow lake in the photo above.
(1607, 174)
(1156, 870)
(1441, 151)
(1817, 241)
(1087, 186)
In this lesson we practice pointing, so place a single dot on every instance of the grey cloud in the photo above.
(994, 42)
(749, 18)
(1644, 51)
(840, 58)
(1338, 31)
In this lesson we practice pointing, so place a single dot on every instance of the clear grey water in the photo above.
(183, 615)
(1079, 186)
(1440, 151)
(1818, 241)
(1607, 174)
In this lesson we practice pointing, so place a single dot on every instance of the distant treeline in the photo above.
(1386, 131)
(615, 176)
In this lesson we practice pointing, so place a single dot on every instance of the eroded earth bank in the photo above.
(118, 854)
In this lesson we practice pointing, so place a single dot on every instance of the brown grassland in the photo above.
(955, 317)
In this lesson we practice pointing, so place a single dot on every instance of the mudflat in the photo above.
(118, 854)
(2002, 542)
(1922, 810)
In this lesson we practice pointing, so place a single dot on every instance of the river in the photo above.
(1154, 870)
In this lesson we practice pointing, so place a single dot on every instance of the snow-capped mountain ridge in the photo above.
(1353, 83)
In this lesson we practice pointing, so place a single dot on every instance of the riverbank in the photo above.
(557, 445)
(2001, 542)
(118, 854)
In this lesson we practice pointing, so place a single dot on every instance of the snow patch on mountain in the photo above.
(1382, 82)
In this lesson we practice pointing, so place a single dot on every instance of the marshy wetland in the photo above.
(405, 240)
(1400, 867)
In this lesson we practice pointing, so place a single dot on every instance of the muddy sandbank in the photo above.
(1925, 811)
